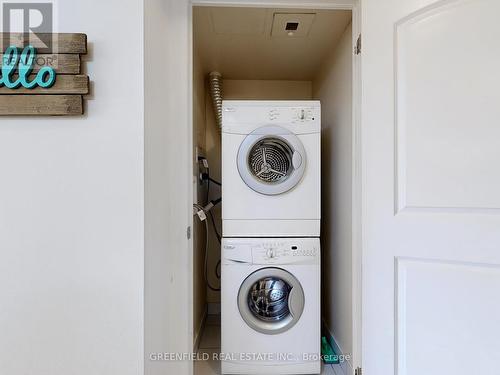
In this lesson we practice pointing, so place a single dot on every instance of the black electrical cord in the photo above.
(215, 202)
(205, 268)
(217, 266)
(217, 270)
(210, 179)
(206, 176)
(208, 186)
(215, 228)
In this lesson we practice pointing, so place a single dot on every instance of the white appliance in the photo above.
(271, 168)
(270, 305)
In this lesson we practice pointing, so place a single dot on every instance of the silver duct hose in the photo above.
(215, 84)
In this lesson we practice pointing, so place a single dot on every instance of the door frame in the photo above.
(355, 7)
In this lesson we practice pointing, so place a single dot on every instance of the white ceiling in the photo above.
(242, 44)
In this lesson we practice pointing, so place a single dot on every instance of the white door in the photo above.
(431, 187)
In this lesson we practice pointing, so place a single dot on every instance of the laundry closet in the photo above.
(294, 56)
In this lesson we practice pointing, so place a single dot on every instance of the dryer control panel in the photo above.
(242, 117)
(292, 115)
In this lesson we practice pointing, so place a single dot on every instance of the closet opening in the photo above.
(300, 57)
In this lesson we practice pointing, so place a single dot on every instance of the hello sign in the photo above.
(45, 77)
(50, 83)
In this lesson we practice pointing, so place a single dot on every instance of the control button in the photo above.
(270, 253)
(273, 114)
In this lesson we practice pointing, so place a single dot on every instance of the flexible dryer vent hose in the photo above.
(215, 83)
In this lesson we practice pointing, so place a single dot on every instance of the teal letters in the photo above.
(45, 77)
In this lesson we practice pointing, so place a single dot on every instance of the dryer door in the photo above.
(271, 160)
(271, 300)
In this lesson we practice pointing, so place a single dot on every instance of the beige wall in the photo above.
(333, 86)
(267, 89)
(240, 89)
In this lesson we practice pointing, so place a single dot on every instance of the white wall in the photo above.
(333, 86)
(168, 185)
(71, 214)
(200, 196)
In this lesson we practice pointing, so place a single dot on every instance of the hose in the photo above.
(215, 87)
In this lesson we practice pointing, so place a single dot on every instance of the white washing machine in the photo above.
(270, 305)
(271, 168)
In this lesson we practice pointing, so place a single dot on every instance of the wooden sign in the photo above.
(45, 84)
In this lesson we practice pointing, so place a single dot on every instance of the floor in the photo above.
(210, 343)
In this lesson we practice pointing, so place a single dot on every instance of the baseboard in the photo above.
(214, 309)
(199, 331)
(345, 365)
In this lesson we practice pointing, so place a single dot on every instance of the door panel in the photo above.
(443, 305)
(431, 183)
(445, 63)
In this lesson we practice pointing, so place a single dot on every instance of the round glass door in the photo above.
(271, 160)
(268, 299)
(271, 300)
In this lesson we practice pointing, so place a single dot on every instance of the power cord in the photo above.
(202, 215)
(206, 177)
(205, 276)
(201, 212)
(217, 266)
(215, 227)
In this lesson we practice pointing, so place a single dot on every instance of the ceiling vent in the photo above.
(292, 25)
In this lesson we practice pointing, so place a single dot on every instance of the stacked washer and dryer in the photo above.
(270, 291)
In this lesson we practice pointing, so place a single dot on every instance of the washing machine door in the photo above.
(271, 300)
(271, 160)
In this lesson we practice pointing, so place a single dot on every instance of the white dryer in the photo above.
(271, 168)
(270, 306)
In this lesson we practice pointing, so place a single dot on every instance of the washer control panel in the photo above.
(285, 252)
(273, 251)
